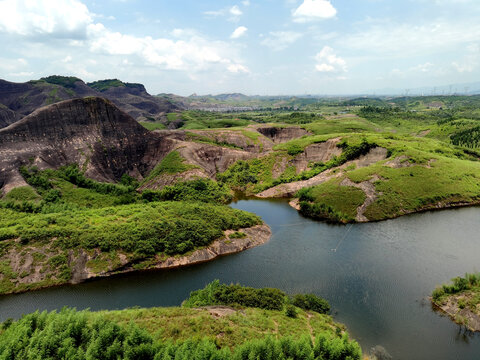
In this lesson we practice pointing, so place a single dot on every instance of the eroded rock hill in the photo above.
(91, 132)
(18, 100)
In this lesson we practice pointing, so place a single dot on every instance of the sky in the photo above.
(265, 47)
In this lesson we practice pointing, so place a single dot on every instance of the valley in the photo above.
(105, 180)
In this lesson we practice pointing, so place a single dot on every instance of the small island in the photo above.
(460, 300)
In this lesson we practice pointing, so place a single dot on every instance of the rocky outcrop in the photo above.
(290, 189)
(235, 138)
(24, 98)
(138, 103)
(90, 132)
(320, 152)
(7, 116)
(282, 134)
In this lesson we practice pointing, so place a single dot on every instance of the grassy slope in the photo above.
(175, 333)
(435, 173)
(180, 324)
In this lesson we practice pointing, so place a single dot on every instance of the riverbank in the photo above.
(23, 270)
(233, 242)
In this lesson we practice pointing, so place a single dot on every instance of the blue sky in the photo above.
(250, 46)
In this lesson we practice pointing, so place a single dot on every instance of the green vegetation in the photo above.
(65, 81)
(173, 163)
(173, 333)
(195, 119)
(237, 235)
(153, 125)
(143, 229)
(202, 190)
(215, 293)
(63, 211)
(459, 285)
(331, 202)
(461, 299)
(221, 294)
(104, 85)
(141, 232)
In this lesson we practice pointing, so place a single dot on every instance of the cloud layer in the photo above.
(314, 10)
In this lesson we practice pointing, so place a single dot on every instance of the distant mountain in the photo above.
(20, 99)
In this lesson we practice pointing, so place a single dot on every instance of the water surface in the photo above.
(376, 276)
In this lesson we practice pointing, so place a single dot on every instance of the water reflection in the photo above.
(377, 280)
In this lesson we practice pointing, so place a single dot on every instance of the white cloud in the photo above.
(238, 32)
(41, 20)
(235, 11)
(57, 19)
(314, 10)
(238, 68)
(280, 40)
(328, 61)
(246, 2)
(388, 39)
(190, 53)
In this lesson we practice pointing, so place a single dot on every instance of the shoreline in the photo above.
(295, 203)
(255, 236)
(462, 317)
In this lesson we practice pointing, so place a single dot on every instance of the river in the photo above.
(376, 276)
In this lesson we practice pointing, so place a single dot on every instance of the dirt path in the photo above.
(310, 329)
(371, 194)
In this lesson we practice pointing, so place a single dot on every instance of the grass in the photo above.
(104, 85)
(180, 333)
(23, 193)
(173, 163)
(153, 125)
(181, 324)
(343, 199)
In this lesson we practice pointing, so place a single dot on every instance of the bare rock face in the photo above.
(321, 152)
(281, 135)
(91, 132)
(138, 103)
(7, 117)
(24, 98)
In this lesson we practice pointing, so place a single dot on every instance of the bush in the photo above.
(291, 311)
(221, 294)
(294, 149)
(322, 211)
(438, 293)
(311, 302)
(202, 190)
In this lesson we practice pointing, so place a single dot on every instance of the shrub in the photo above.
(311, 302)
(221, 294)
(202, 190)
(438, 293)
(237, 235)
(291, 311)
